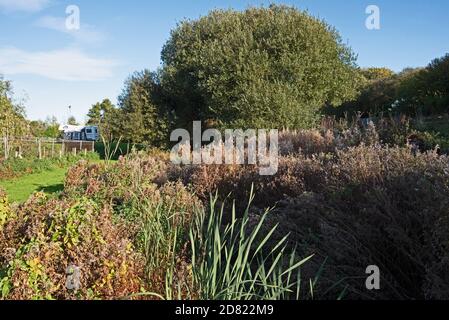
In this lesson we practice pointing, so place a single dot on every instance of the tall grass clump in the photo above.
(201, 256)
(163, 238)
(232, 260)
(110, 150)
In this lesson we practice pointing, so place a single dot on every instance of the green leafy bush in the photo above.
(261, 68)
(48, 236)
(4, 208)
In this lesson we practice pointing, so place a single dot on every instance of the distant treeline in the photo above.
(413, 92)
(274, 67)
(267, 67)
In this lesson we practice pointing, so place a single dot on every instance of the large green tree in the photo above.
(100, 112)
(51, 128)
(264, 67)
(37, 128)
(107, 117)
(375, 74)
(426, 90)
(143, 112)
(413, 91)
(72, 121)
(386, 92)
(12, 118)
(378, 93)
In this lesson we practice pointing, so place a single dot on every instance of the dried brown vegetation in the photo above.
(344, 196)
(45, 237)
(353, 207)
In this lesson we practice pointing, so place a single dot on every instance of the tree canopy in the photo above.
(100, 112)
(263, 67)
(72, 121)
(275, 67)
(426, 91)
(12, 116)
(413, 91)
(143, 113)
(375, 74)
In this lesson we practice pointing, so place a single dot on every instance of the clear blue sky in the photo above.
(52, 67)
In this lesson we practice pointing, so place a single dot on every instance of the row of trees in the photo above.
(141, 116)
(269, 67)
(419, 91)
(274, 67)
(12, 115)
(426, 90)
(13, 121)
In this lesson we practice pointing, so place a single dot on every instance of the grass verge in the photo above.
(49, 182)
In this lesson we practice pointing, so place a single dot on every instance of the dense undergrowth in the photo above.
(143, 228)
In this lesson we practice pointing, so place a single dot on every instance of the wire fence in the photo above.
(41, 148)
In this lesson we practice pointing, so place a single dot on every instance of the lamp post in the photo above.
(70, 114)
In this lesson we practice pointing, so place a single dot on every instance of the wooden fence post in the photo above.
(39, 147)
(5, 145)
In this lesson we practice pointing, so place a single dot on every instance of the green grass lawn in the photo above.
(20, 189)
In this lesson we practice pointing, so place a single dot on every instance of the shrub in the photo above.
(157, 213)
(49, 236)
(162, 215)
(5, 211)
(377, 206)
(356, 207)
(261, 68)
(163, 237)
(349, 203)
(307, 142)
(118, 182)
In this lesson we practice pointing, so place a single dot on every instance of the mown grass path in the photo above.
(21, 188)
